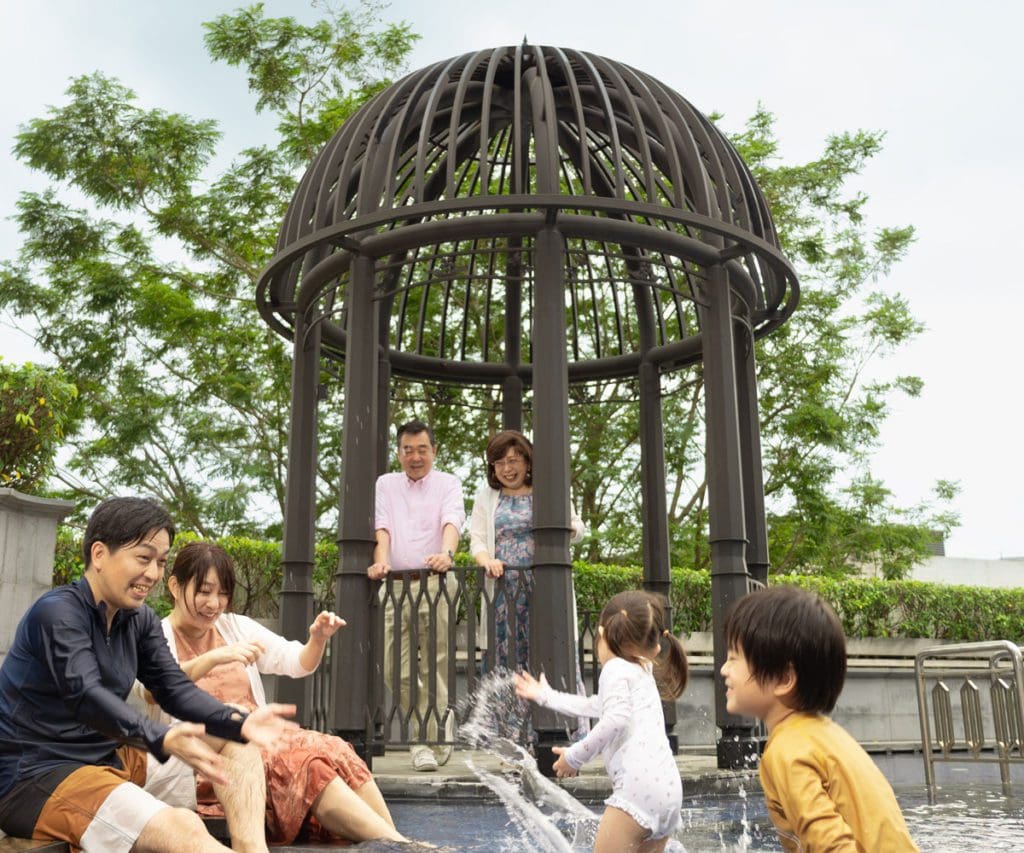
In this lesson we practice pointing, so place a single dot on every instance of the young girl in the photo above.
(644, 808)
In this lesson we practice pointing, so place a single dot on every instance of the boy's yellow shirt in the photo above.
(825, 793)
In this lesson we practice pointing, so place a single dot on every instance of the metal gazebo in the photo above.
(527, 217)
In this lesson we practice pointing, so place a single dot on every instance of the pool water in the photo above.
(968, 811)
(961, 819)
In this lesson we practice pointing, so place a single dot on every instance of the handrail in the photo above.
(1003, 668)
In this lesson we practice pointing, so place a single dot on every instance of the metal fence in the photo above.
(985, 682)
(449, 620)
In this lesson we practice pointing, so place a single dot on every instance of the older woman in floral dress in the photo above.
(501, 541)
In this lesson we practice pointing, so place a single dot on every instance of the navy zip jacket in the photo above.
(64, 682)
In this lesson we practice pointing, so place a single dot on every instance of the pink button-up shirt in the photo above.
(414, 513)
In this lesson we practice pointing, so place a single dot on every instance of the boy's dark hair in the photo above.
(192, 563)
(783, 626)
(415, 428)
(633, 622)
(118, 522)
(499, 445)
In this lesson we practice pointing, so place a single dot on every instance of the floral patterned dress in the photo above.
(513, 545)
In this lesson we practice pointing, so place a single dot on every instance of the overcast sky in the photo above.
(943, 79)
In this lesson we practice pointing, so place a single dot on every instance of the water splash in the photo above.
(549, 816)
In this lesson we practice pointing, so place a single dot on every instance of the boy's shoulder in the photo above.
(814, 736)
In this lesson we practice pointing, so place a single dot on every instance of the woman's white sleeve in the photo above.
(579, 529)
(281, 656)
(479, 521)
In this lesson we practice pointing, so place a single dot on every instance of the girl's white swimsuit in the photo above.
(630, 735)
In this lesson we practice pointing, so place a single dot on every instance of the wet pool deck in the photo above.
(455, 780)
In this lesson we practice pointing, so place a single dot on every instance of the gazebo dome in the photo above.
(445, 178)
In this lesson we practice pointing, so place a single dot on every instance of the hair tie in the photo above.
(666, 633)
(624, 613)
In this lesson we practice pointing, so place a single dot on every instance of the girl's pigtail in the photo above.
(671, 670)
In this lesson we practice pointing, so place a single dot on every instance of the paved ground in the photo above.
(455, 780)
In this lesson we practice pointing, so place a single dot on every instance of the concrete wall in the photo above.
(28, 536)
(878, 705)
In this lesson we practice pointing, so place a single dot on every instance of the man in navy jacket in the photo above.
(72, 752)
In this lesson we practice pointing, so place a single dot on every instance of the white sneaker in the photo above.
(423, 759)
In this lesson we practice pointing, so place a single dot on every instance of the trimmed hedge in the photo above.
(868, 607)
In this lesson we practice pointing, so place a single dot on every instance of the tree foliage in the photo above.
(143, 296)
(37, 408)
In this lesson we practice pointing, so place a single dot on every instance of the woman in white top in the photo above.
(317, 786)
(501, 541)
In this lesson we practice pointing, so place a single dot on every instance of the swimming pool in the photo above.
(962, 818)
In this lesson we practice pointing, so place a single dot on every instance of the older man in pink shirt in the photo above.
(419, 516)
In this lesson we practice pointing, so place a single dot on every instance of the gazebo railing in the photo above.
(471, 643)
(947, 673)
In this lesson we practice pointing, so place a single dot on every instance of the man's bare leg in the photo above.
(244, 798)
(172, 830)
(345, 813)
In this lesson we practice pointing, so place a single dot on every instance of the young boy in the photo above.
(786, 666)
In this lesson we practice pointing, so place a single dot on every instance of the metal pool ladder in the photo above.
(996, 665)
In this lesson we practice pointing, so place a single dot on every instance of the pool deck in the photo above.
(455, 780)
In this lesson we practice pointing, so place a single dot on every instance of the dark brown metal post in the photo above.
(728, 534)
(353, 664)
(298, 549)
(654, 507)
(552, 632)
(512, 385)
(750, 447)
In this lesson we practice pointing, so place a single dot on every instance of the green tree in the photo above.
(37, 408)
(145, 300)
(820, 411)
(145, 297)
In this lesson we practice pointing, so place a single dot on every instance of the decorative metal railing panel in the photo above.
(996, 665)
(452, 624)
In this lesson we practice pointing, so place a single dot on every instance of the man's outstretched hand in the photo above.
(267, 725)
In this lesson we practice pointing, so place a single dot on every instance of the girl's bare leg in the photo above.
(345, 813)
(619, 833)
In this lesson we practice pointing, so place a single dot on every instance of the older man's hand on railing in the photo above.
(378, 571)
(439, 562)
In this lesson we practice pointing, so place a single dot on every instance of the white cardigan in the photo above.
(280, 658)
(481, 522)
(481, 538)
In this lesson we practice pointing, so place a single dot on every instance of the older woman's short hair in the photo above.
(499, 445)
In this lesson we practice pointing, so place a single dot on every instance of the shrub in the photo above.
(867, 607)
(37, 409)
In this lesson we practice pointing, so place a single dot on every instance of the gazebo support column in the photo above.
(552, 632)
(729, 577)
(298, 548)
(512, 385)
(657, 558)
(351, 666)
(750, 447)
